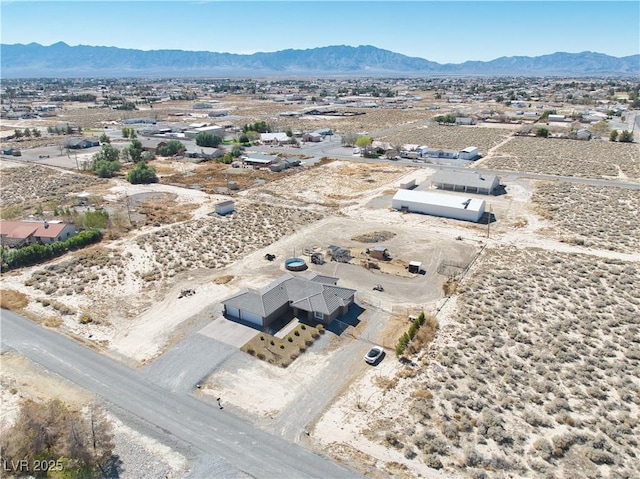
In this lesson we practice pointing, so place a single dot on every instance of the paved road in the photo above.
(228, 446)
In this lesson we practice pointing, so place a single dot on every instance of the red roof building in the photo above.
(22, 233)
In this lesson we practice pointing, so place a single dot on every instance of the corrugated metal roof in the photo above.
(464, 178)
(449, 201)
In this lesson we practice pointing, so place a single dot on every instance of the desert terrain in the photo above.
(533, 368)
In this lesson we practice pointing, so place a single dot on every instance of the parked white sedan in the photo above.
(374, 355)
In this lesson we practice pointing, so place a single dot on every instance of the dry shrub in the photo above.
(424, 335)
(449, 287)
(385, 383)
(407, 372)
(52, 322)
(13, 300)
(223, 279)
(421, 394)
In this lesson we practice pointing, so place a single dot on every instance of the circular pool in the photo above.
(295, 264)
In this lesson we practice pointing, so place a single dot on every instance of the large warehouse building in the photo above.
(437, 204)
(467, 181)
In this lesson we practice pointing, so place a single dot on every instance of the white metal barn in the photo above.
(469, 153)
(437, 204)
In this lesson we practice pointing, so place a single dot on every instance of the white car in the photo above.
(374, 354)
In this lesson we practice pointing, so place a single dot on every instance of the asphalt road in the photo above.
(227, 446)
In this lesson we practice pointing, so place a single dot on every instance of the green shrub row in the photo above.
(406, 338)
(33, 254)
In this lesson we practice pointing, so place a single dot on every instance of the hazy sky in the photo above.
(442, 31)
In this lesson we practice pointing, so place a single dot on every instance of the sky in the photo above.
(441, 31)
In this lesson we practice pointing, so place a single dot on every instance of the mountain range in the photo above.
(61, 60)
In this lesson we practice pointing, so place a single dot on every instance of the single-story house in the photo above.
(139, 121)
(313, 297)
(465, 120)
(273, 138)
(212, 129)
(438, 153)
(225, 207)
(467, 181)
(205, 153)
(23, 233)
(81, 143)
(438, 204)
(259, 160)
(285, 164)
(312, 137)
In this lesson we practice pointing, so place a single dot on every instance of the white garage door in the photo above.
(251, 318)
(233, 312)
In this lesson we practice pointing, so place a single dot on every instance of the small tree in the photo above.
(613, 136)
(17, 133)
(208, 139)
(546, 113)
(107, 153)
(172, 148)
(542, 132)
(364, 142)
(349, 139)
(142, 174)
(446, 119)
(105, 169)
(104, 138)
(626, 137)
(133, 152)
(106, 161)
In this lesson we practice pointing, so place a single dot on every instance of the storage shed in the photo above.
(225, 207)
(467, 181)
(437, 204)
(469, 153)
(415, 267)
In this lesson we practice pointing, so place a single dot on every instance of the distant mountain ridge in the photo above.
(61, 60)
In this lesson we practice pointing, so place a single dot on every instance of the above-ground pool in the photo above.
(295, 264)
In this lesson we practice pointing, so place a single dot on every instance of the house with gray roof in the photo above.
(467, 181)
(314, 297)
(259, 160)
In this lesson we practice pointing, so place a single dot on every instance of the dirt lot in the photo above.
(592, 216)
(586, 159)
(532, 373)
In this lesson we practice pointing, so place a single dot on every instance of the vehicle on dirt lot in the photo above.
(374, 355)
(378, 287)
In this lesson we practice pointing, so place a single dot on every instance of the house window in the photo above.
(318, 315)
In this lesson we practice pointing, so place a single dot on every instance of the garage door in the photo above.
(251, 318)
(233, 312)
